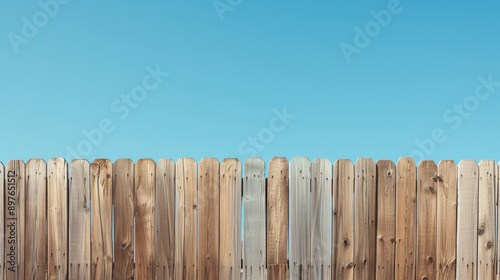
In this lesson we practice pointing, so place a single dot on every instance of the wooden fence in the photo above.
(183, 220)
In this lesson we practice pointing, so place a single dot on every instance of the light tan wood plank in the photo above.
(468, 186)
(321, 219)
(343, 210)
(102, 197)
(299, 216)
(386, 220)
(406, 193)
(165, 219)
(365, 234)
(486, 221)
(145, 176)
(14, 223)
(447, 220)
(208, 209)
(230, 219)
(57, 203)
(79, 220)
(123, 197)
(186, 225)
(2, 221)
(36, 220)
(427, 183)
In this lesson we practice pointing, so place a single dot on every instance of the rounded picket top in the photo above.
(407, 161)
(79, 161)
(447, 162)
(322, 161)
(487, 163)
(300, 159)
(468, 162)
(366, 161)
(123, 160)
(147, 160)
(426, 163)
(254, 161)
(208, 160)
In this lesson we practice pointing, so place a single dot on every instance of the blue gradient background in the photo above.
(226, 77)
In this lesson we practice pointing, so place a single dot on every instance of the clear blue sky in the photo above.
(379, 79)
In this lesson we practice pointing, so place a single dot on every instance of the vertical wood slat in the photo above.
(145, 176)
(299, 213)
(486, 221)
(406, 192)
(386, 220)
(57, 204)
(365, 233)
(447, 220)
(208, 218)
(427, 183)
(186, 226)
(343, 207)
(102, 198)
(230, 219)
(321, 219)
(497, 196)
(254, 212)
(2, 221)
(79, 246)
(36, 220)
(123, 197)
(165, 219)
(467, 210)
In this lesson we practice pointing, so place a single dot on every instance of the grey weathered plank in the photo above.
(165, 219)
(254, 213)
(486, 221)
(321, 219)
(365, 218)
(79, 220)
(467, 210)
(299, 216)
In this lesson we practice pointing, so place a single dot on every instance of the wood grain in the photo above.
(468, 181)
(254, 212)
(486, 221)
(79, 220)
(14, 219)
(208, 218)
(185, 229)
(230, 219)
(165, 219)
(123, 197)
(101, 192)
(406, 193)
(321, 219)
(365, 219)
(446, 220)
(299, 216)
(35, 263)
(386, 220)
(278, 272)
(427, 183)
(145, 176)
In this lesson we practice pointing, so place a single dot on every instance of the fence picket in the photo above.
(486, 221)
(165, 219)
(2, 221)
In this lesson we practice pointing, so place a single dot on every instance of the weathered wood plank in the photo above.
(486, 221)
(365, 234)
(102, 198)
(447, 220)
(145, 176)
(165, 219)
(386, 220)
(278, 272)
(343, 209)
(185, 229)
(406, 193)
(57, 204)
(427, 183)
(14, 223)
(277, 211)
(2, 221)
(299, 213)
(79, 220)
(123, 197)
(36, 220)
(254, 212)
(467, 210)
(208, 209)
(321, 219)
(230, 219)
